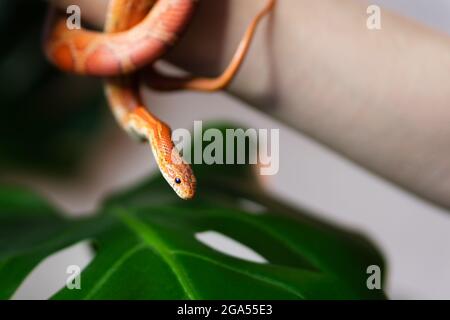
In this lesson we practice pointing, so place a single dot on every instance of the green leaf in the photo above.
(146, 245)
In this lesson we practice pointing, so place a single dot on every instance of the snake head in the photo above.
(180, 176)
(174, 169)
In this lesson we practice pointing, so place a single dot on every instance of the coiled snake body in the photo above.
(137, 33)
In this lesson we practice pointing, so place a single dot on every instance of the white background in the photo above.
(413, 235)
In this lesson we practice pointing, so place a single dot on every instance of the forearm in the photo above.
(382, 98)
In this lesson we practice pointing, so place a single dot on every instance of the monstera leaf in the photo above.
(146, 245)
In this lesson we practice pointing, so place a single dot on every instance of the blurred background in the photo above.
(58, 137)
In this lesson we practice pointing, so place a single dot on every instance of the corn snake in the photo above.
(136, 34)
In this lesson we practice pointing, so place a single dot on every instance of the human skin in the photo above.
(379, 97)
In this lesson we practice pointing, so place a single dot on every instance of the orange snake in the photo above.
(137, 33)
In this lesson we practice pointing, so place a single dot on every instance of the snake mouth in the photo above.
(188, 196)
(185, 193)
(185, 188)
(188, 191)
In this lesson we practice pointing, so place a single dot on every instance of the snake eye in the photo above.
(177, 180)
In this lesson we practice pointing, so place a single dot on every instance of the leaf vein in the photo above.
(264, 279)
(124, 257)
